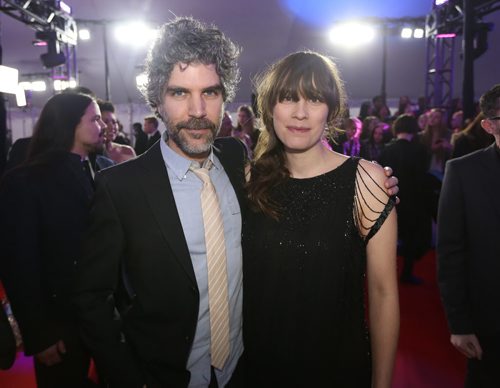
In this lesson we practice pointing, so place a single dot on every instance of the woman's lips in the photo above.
(298, 129)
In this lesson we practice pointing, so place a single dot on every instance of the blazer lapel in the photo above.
(161, 202)
(234, 168)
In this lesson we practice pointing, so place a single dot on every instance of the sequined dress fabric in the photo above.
(304, 317)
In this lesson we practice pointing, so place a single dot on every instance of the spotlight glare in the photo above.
(25, 85)
(418, 33)
(352, 34)
(20, 97)
(141, 80)
(406, 33)
(38, 86)
(84, 34)
(65, 7)
(136, 34)
(8, 79)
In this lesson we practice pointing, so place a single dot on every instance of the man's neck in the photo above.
(82, 153)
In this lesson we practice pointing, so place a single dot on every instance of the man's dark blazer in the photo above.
(43, 213)
(409, 162)
(18, 153)
(143, 142)
(136, 259)
(469, 243)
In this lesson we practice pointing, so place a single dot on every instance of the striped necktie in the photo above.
(216, 267)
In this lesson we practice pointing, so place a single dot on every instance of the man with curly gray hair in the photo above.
(147, 252)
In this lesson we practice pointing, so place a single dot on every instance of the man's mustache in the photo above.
(195, 124)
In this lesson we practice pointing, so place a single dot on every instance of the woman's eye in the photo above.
(316, 100)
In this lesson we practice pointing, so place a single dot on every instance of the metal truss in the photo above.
(443, 24)
(440, 71)
(46, 18)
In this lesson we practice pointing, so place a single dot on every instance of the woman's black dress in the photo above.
(304, 317)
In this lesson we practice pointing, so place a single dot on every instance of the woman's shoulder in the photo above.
(373, 171)
(372, 201)
(123, 149)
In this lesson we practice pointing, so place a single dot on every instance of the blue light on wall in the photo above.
(323, 12)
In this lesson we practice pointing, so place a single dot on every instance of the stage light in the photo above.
(352, 34)
(62, 84)
(25, 85)
(418, 33)
(84, 34)
(20, 97)
(8, 79)
(135, 33)
(54, 57)
(406, 33)
(64, 7)
(38, 86)
(35, 86)
(440, 2)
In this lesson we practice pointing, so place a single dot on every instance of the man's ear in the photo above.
(486, 124)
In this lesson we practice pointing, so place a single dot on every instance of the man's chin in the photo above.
(97, 148)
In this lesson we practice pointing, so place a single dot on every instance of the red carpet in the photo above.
(425, 358)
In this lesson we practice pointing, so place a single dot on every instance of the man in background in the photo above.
(468, 248)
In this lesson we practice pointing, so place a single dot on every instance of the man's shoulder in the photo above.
(469, 159)
(231, 147)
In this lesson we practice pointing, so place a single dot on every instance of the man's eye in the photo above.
(177, 93)
(211, 93)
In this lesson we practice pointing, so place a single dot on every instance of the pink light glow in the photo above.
(442, 36)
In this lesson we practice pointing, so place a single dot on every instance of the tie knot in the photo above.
(202, 172)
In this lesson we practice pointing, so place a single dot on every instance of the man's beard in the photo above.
(96, 148)
(182, 139)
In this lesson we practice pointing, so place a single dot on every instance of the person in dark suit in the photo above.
(44, 205)
(147, 137)
(17, 153)
(145, 253)
(151, 130)
(468, 248)
(409, 160)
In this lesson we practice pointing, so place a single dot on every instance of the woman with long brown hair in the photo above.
(321, 224)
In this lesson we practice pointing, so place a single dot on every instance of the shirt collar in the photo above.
(179, 164)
